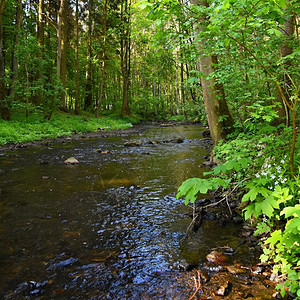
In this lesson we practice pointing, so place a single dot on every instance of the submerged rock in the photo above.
(178, 140)
(235, 270)
(216, 257)
(136, 143)
(71, 161)
(206, 133)
(184, 265)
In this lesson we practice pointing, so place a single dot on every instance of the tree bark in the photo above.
(77, 62)
(218, 116)
(285, 49)
(37, 99)
(14, 62)
(59, 36)
(88, 85)
(4, 111)
(103, 59)
(125, 56)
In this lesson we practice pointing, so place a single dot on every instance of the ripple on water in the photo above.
(115, 231)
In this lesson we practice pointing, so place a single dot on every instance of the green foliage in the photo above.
(177, 118)
(256, 166)
(193, 187)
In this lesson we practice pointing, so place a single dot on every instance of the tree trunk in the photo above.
(4, 111)
(62, 50)
(125, 56)
(40, 35)
(103, 59)
(219, 119)
(182, 82)
(177, 94)
(285, 49)
(88, 85)
(64, 47)
(59, 37)
(77, 62)
(14, 62)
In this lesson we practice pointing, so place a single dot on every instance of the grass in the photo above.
(21, 129)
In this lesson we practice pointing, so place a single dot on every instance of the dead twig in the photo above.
(198, 284)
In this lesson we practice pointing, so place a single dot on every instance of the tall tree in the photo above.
(103, 58)
(125, 54)
(4, 111)
(88, 86)
(77, 60)
(62, 44)
(14, 63)
(218, 116)
(285, 49)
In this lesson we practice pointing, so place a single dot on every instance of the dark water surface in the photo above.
(107, 228)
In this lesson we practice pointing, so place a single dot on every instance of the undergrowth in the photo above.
(255, 170)
(21, 129)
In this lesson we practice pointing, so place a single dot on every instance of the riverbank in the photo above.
(34, 131)
(35, 128)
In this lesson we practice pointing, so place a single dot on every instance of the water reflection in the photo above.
(108, 227)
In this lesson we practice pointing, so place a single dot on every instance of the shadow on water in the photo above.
(109, 227)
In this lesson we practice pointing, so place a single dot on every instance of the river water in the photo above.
(106, 228)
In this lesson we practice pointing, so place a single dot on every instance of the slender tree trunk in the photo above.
(77, 62)
(59, 36)
(47, 31)
(177, 93)
(192, 91)
(4, 111)
(40, 27)
(88, 86)
(14, 63)
(219, 119)
(40, 35)
(125, 55)
(285, 49)
(182, 82)
(64, 46)
(103, 59)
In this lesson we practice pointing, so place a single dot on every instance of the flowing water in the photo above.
(106, 228)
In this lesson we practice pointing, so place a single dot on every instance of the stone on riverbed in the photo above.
(136, 143)
(71, 161)
(216, 257)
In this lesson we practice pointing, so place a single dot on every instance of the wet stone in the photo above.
(237, 219)
(71, 161)
(216, 257)
(235, 270)
(184, 265)
(136, 143)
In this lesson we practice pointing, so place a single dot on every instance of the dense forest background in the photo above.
(144, 58)
(91, 56)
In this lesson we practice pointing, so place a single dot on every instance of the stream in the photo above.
(109, 227)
